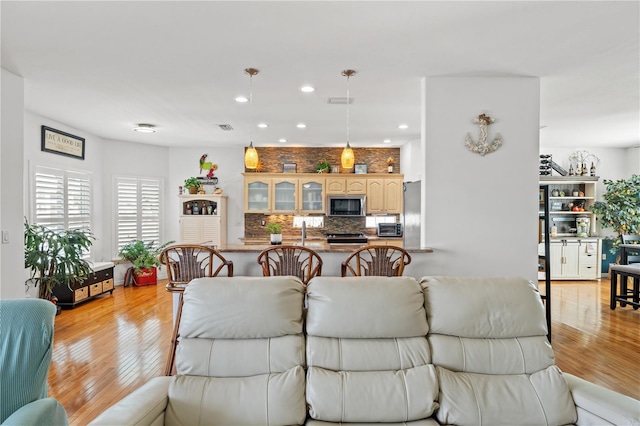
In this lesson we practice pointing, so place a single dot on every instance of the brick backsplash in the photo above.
(306, 158)
(332, 225)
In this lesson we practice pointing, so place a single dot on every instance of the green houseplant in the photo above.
(323, 166)
(620, 208)
(275, 230)
(192, 184)
(144, 257)
(55, 258)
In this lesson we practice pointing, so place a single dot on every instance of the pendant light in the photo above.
(347, 158)
(250, 154)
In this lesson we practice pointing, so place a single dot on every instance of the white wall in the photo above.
(633, 160)
(11, 186)
(184, 163)
(481, 215)
(411, 161)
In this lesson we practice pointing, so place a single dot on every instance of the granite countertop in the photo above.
(320, 246)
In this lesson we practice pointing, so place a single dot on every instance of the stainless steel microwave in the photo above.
(346, 205)
(389, 230)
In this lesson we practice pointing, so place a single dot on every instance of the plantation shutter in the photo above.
(138, 210)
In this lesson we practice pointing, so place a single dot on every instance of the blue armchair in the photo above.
(26, 342)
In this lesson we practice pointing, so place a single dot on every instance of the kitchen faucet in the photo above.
(304, 231)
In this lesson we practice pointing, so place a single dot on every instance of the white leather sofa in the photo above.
(445, 350)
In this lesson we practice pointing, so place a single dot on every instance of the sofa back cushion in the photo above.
(365, 307)
(367, 354)
(494, 363)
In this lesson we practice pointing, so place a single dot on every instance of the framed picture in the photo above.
(289, 168)
(62, 143)
(360, 169)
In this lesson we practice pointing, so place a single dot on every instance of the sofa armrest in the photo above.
(144, 406)
(597, 405)
(39, 412)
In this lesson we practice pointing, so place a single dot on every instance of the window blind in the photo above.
(137, 210)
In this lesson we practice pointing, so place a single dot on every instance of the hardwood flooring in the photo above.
(111, 345)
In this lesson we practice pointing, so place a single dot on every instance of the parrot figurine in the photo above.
(210, 174)
(204, 157)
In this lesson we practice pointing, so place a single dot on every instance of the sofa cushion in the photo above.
(367, 354)
(517, 355)
(472, 399)
(239, 357)
(365, 307)
(372, 396)
(274, 399)
(251, 307)
(424, 422)
(493, 308)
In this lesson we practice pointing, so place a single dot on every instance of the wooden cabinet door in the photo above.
(555, 259)
(336, 185)
(211, 230)
(393, 193)
(571, 253)
(191, 230)
(257, 191)
(311, 195)
(356, 186)
(284, 195)
(375, 196)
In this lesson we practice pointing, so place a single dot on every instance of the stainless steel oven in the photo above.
(346, 205)
(389, 230)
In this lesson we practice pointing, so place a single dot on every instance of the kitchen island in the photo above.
(244, 256)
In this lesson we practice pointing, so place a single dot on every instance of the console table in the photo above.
(98, 283)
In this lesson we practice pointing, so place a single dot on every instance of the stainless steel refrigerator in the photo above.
(411, 215)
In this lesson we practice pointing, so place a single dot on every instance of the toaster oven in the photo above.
(389, 230)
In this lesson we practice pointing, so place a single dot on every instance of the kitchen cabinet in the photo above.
(346, 185)
(257, 193)
(384, 195)
(574, 259)
(97, 284)
(209, 225)
(570, 200)
(311, 195)
(284, 195)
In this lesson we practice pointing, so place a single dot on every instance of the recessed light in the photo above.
(307, 89)
(386, 141)
(241, 99)
(145, 128)
(263, 125)
(282, 140)
(301, 125)
(403, 126)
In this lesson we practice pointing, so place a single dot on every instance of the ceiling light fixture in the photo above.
(307, 89)
(347, 158)
(282, 140)
(250, 154)
(241, 99)
(403, 126)
(301, 126)
(386, 141)
(145, 128)
(263, 125)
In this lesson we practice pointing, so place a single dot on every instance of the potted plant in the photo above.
(55, 258)
(192, 184)
(275, 230)
(620, 208)
(323, 166)
(144, 257)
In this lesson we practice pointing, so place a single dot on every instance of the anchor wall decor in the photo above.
(482, 147)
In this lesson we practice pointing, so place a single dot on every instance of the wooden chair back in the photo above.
(374, 260)
(298, 261)
(632, 239)
(184, 263)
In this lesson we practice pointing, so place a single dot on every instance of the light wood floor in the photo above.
(109, 346)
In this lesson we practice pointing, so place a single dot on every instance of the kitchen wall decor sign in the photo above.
(62, 143)
(482, 147)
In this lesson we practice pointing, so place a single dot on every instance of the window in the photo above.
(62, 199)
(137, 210)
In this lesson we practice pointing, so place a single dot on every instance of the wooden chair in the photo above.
(383, 261)
(299, 261)
(184, 263)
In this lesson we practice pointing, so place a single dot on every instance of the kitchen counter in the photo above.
(320, 246)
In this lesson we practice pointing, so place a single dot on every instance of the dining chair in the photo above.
(632, 239)
(375, 260)
(184, 263)
(298, 261)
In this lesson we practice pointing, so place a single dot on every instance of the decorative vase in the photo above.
(193, 190)
(147, 276)
(276, 239)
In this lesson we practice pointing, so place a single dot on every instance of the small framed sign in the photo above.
(289, 168)
(62, 143)
(360, 168)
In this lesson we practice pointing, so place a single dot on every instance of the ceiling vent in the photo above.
(225, 127)
(340, 100)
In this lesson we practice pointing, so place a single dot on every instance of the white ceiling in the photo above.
(102, 67)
